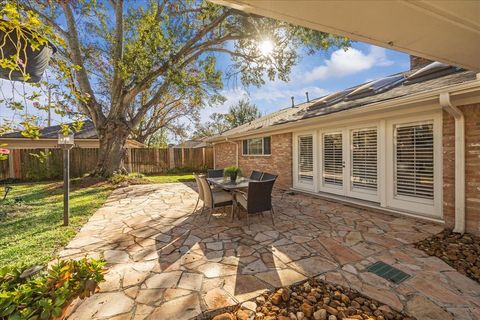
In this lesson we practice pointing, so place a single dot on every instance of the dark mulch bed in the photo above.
(314, 299)
(462, 252)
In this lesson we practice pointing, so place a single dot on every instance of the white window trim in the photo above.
(263, 147)
(385, 163)
(340, 190)
(297, 183)
(365, 194)
(431, 208)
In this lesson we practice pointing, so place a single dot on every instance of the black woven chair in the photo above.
(268, 176)
(256, 175)
(258, 198)
(214, 173)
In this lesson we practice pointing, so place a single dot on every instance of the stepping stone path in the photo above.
(167, 263)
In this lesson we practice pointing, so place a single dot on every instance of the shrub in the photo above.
(46, 295)
(131, 178)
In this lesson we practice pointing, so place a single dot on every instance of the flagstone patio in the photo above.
(166, 263)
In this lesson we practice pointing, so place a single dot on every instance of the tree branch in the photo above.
(95, 110)
(144, 83)
(117, 82)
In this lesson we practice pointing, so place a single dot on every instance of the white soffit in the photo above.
(446, 31)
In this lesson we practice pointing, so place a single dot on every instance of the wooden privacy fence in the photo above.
(24, 165)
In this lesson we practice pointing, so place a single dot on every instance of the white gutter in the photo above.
(431, 95)
(446, 104)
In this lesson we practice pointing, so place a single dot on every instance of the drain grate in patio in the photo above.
(388, 272)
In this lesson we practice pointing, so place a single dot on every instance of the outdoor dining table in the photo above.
(226, 184)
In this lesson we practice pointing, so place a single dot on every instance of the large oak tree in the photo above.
(128, 50)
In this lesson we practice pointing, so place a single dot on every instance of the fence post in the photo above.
(183, 157)
(11, 165)
(129, 159)
(203, 157)
(171, 158)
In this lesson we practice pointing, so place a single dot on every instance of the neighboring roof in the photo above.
(191, 144)
(87, 132)
(315, 108)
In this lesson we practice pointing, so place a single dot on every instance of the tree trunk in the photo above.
(113, 138)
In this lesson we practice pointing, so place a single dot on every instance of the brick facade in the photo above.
(418, 62)
(472, 167)
(279, 162)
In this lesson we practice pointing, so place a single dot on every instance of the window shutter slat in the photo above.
(414, 160)
(333, 159)
(305, 158)
(364, 159)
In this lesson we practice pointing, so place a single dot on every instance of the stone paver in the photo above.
(167, 263)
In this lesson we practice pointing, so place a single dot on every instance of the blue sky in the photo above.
(319, 74)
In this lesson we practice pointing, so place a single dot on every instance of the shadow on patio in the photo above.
(167, 263)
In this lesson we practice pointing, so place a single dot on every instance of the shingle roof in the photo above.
(87, 132)
(308, 110)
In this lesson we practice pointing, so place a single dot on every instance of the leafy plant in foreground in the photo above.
(47, 295)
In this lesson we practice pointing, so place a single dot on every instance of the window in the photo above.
(333, 159)
(305, 158)
(257, 146)
(414, 160)
(364, 159)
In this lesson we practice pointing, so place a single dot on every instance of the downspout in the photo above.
(457, 114)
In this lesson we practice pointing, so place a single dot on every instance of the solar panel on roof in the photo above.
(330, 99)
(375, 87)
(431, 71)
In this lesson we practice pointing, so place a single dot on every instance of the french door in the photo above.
(349, 162)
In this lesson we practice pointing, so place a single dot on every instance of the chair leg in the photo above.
(272, 213)
(233, 211)
(210, 213)
(196, 205)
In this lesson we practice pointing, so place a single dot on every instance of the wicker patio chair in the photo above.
(201, 194)
(258, 198)
(268, 176)
(213, 200)
(214, 173)
(256, 175)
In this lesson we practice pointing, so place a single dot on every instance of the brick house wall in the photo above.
(279, 162)
(225, 154)
(472, 167)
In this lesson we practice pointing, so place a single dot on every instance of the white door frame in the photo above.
(431, 208)
(340, 190)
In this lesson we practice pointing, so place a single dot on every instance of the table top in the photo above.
(226, 183)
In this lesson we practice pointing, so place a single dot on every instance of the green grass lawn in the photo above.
(173, 177)
(32, 231)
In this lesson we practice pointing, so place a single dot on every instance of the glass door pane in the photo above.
(332, 172)
(363, 172)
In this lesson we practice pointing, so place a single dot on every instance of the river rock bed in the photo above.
(313, 299)
(461, 252)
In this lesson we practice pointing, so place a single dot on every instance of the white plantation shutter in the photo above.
(364, 159)
(305, 158)
(332, 159)
(414, 160)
